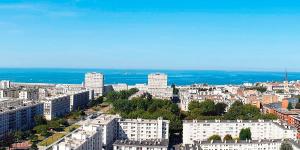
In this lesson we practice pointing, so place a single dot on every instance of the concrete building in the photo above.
(109, 128)
(79, 99)
(87, 137)
(29, 94)
(120, 87)
(115, 128)
(94, 81)
(143, 129)
(18, 116)
(273, 144)
(158, 86)
(141, 145)
(56, 106)
(4, 84)
(9, 93)
(194, 130)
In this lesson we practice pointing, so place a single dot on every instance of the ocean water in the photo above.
(112, 76)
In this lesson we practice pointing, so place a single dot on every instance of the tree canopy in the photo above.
(286, 146)
(245, 134)
(214, 137)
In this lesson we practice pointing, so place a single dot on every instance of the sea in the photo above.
(132, 76)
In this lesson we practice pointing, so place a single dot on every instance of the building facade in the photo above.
(79, 100)
(194, 130)
(16, 116)
(94, 81)
(56, 106)
(158, 86)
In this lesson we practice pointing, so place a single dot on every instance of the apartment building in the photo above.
(273, 144)
(56, 106)
(16, 115)
(158, 86)
(109, 128)
(115, 128)
(4, 84)
(141, 145)
(79, 99)
(143, 129)
(9, 93)
(120, 87)
(94, 81)
(196, 130)
(29, 94)
(87, 137)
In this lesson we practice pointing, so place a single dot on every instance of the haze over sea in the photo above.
(113, 76)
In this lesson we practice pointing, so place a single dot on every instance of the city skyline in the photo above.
(206, 35)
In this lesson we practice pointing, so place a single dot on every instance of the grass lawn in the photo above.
(74, 126)
(52, 139)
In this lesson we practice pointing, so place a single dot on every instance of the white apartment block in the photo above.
(94, 81)
(194, 130)
(4, 84)
(87, 137)
(56, 106)
(79, 99)
(158, 86)
(18, 116)
(141, 145)
(9, 93)
(29, 94)
(115, 128)
(143, 129)
(238, 145)
(109, 128)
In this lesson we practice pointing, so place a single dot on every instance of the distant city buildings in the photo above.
(94, 81)
(158, 86)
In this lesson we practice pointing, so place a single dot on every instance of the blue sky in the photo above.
(151, 34)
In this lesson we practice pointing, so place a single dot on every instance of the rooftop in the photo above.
(148, 143)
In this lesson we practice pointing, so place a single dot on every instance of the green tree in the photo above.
(220, 108)
(175, 90)
(286, 146)
(227, 137)
(290, 106)
(245, 134)
(18, 135)
(215, 138)
(33, 146)
(40, 128)
(40, 119)
(193, 105)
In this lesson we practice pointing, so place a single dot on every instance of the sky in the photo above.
(151, 34)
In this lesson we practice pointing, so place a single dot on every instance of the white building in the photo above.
(120, 87)
(109, 127)
(4, 84)
(16, 115)
(79, 99)
(29, 94)
(115, 128)
(143, 129)
(141, 145)
(56, 106)
(238, 145)
(194, 130)
(87, 137)
(94, 81)
(158, 86)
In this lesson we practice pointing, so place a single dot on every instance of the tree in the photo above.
(175, 90)
(40, 119)
(227, 137)
(18, 135)
(245, 134)
(193, 105)
(220, 108)
(214, 137)
(33, 146)
(290, 106)
(286, 146)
